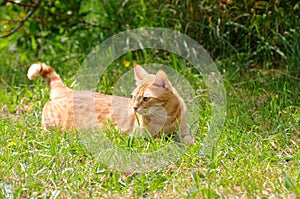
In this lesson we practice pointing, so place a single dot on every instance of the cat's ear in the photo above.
(161, 80)
(139, 73)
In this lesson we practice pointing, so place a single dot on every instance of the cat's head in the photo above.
(152, 92)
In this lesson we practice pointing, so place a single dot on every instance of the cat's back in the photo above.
(77, 109)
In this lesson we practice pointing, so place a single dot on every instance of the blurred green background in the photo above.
(251, 35)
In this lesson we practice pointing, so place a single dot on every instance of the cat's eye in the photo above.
(146, 99)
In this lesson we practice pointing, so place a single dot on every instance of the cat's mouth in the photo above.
(154, 111)
(140, 111)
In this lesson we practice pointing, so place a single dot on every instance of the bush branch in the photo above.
(20, 4)
(34, 7)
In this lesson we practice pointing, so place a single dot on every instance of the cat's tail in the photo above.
(47, 73)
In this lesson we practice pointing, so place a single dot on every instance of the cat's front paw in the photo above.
(188, 140)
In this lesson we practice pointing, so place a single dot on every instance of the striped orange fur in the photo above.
(155, 107)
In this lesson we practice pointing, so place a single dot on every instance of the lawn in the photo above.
(257, 155)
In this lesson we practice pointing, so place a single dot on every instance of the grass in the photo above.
(258, 154)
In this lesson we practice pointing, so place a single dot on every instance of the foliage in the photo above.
(262, 32)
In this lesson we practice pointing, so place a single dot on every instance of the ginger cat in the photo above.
(155, 107)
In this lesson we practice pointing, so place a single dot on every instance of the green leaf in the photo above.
(261, 5)
(289, 183)
(35, 185)
(33, 43)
